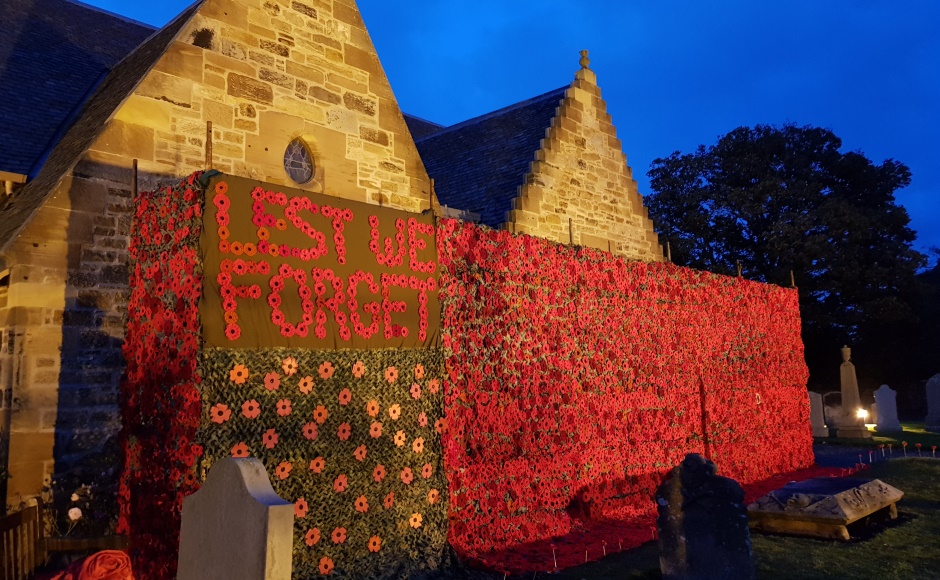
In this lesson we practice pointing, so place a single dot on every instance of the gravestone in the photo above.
(703, 526)
(235, 526)
(823, 507)
(933, 404)
(886, 418)
(850, 424)
(816, 416)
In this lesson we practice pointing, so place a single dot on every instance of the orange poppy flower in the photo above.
(415, 521)
(419, 371)
(240, 450)
(283, 469)
(326, 565)
(223, 233)
(305, 385)
(317, 465)
(415, 391)
(394, 411)
(400, 438)
(289, 365)
(375, 430)
(230, 317)
(320, 414)
(389, 500)
(378, 474)
(300, 508)
(281, 224)
(372, 408)
(273, 250)
(310, 431)
(418, 445)
(264, 234)
(407, 476)
(224, 246)
(375, 544)
(272, 381)
(427, 471)
(344, 431)
(391, 374)
(312, 537)
(440, 425)
(283, 407)
(434, 385)
(360, 452)
(236, 248)
(339, 535)
(221, 187)
(359, 369)
(433, 495)
(362, 504)
(423, 419)
(344, 397)
(250, 249)
(238, 374)
(326, 370)
(251, 409)
(220, 413)
(340, 483)
(269, 438)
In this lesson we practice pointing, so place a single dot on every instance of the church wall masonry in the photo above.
(581, 174)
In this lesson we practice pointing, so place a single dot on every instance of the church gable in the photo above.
(264, 74)
(580, 189)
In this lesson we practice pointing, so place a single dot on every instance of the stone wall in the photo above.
(581, 174)
(265, 72)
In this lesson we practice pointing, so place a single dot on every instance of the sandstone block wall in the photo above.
(264, 72)
(581, 174)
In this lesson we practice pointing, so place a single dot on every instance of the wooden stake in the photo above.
(208, 144)
(792, 280)
(431, 197)
(609, 249)
(134, 181)
(668, 252)
(570, 233)
(739, 268)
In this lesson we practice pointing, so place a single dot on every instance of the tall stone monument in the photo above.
(851, 426)
(816, 416)
(886, 418)
(933, 404)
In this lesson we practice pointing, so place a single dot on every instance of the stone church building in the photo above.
(289, 92)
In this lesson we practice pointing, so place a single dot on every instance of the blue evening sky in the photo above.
(677, 73)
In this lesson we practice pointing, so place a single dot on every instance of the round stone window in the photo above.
(298, 163)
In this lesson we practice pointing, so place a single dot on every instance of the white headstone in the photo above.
(933, 404)
(235, 526)
(816, 418)
(887, 406)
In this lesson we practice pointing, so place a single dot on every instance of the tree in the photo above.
(782, 199)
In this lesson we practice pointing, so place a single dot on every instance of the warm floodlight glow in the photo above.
(861, 414)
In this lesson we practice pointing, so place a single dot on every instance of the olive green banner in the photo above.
(290, 268)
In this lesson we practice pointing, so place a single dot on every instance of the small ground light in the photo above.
(861, 414)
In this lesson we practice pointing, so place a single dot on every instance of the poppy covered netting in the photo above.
(352, 438)
(160, 403)
(576, 380)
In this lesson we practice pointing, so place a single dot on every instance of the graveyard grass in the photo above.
(904, 549)
(913, 433)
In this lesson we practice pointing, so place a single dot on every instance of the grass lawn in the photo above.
(913, 433)
(907, 548)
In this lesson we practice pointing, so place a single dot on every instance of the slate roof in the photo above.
(478, 165)
(53, 53)
(420, 128)
(87, 125)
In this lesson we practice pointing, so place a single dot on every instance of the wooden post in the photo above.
(208, 144)
(431, 198)
(739, 268)
(792, 280)
(668, 252)
(570, 233)
(134, 181)
(609, 249)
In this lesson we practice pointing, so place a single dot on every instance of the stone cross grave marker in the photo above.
(933, 404)
(816, 416)
(703, 527)
(235, 526)
(887, 416)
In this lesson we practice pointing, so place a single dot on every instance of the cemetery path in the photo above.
(840, 456)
